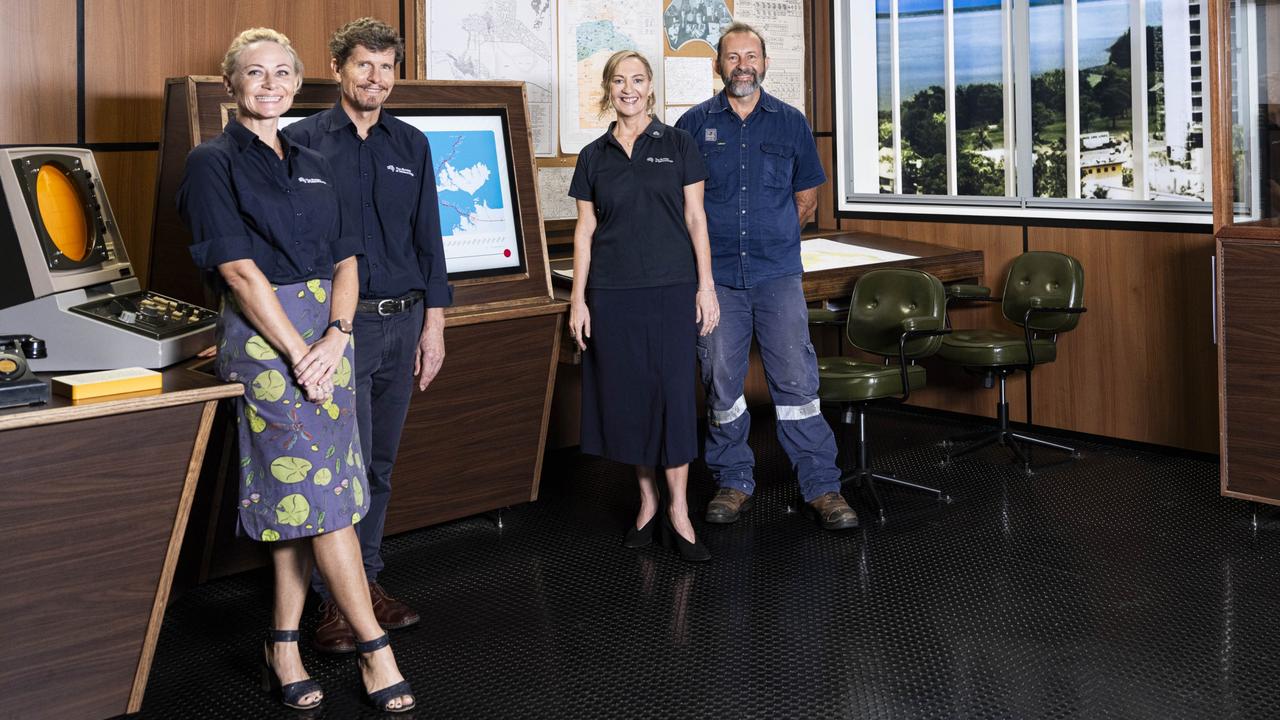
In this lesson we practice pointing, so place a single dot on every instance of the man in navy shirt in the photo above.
(386, 185)
(764, 176)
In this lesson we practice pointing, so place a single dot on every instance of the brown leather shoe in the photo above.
(727, 505)
(333, 634)
(833, 512)
(391, 613)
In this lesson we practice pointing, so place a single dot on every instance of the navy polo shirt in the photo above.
(386, 184)
(756, 166)
(242, 202)
(641, 239)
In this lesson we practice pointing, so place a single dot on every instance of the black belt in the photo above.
(389, 306)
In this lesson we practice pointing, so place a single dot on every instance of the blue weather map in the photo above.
(467, 180)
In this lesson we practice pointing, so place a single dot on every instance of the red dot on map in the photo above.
(506, 253)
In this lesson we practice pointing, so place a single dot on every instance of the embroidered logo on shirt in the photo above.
(709, 135)
(312, 181)
(659, 160)
(400, 170)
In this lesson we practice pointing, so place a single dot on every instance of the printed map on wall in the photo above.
(591, 31)
(499, 40)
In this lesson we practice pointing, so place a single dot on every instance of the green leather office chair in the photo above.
(1044, 296)
(825, 317)
(899, 315)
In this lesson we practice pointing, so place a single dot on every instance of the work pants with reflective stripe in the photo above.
(774, 312)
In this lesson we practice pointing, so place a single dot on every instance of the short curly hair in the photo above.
(231, 61)
(369, 32)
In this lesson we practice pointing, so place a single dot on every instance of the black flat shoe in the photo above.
(640, 537)
(290, 694)
(689, 551)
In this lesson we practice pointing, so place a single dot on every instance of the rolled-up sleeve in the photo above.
(207, 203)
(427, 240)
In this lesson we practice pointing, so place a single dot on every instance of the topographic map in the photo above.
(591, 31)
(499, 40)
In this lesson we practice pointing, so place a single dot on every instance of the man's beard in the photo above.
(737, 89)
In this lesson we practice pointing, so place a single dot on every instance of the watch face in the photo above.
(342, 325)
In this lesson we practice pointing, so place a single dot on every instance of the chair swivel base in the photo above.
(865, 476)
(1008, 438)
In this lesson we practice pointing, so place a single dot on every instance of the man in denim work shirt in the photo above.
(764, 177)
(386, 186)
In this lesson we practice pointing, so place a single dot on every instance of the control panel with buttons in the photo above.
(148, 313)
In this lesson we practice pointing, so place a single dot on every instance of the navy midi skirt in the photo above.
(638, 375)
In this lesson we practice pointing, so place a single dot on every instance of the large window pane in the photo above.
(884, 93)
(1048, 99)
(922, 74)
(979, 72)
(1176, 100)
(1106, 106)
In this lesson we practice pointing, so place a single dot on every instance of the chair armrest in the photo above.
(913, 328)
(1038, 308)
(961, 291)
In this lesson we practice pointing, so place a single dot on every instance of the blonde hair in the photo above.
(231, 61)
(611, 69)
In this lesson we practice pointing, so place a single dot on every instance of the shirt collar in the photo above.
(337, 118)
(655, 129)
(720, 103)
(244, 138)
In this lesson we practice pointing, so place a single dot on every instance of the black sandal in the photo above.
(293, 692)
(381, 699)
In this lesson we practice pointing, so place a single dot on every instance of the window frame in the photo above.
(850, 123)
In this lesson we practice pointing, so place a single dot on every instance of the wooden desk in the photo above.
(94, 499)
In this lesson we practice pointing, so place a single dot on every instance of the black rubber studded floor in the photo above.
(1119, 585)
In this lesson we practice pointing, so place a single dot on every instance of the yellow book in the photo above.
(107, 382)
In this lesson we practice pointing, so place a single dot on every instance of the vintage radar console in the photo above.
(65, 275)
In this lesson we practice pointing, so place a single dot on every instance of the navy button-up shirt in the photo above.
(641, 239)
(386, 184)
(242, 202)
(756, 166)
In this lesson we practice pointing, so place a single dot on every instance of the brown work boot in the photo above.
(833, 512)
(727, 505)
(392, 614)
(333, 634)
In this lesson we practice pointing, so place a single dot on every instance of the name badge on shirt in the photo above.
(709, 135)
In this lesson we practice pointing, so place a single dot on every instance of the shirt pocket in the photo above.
(720, 177)
(779, 165)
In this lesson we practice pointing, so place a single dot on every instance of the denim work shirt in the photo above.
(242, 202)
(756, 167)
(386, 184)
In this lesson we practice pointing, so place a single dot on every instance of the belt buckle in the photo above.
(386, 313)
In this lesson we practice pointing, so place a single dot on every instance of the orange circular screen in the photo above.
(62, 212)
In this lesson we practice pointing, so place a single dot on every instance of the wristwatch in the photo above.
(342, 325)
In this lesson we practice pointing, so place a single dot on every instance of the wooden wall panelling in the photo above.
(949, 387)
(131, 47)
(825, 215)
(1141, 365)
(39, 80)
(129, 177)
(821, 64)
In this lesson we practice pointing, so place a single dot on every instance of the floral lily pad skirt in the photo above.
(301, 473)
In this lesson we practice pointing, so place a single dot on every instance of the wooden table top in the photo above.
(181, 387)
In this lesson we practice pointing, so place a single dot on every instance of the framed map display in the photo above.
(474, 176)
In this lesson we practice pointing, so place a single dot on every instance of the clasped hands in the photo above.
(314, 370)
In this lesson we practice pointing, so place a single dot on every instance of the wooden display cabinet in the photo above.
(1245, 116)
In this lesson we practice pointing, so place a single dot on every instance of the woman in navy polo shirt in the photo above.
(642, 291)
(264, 220)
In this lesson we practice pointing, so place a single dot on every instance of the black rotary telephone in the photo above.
(18, 385)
